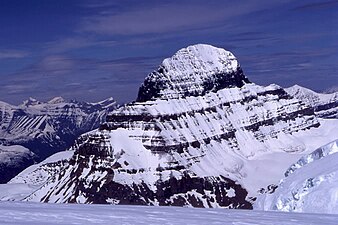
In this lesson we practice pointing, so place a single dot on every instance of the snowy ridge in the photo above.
(310, 185)
(205, 148)
(325, 105)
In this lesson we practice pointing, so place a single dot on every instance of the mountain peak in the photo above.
(193, 71)
(325, 105)
(56, 100)
(30, 102)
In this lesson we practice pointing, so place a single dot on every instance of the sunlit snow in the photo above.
(52, 214)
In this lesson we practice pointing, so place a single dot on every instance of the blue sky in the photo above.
(91, 50)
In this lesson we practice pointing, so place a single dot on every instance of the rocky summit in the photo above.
(193, 71)
(199, 134)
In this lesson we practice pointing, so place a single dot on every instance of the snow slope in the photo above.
(310, 185)
(33, 177)
(41, 214)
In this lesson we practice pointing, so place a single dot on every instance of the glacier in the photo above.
(310, 185)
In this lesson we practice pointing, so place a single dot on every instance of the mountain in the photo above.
(310, 185)
(199, 134)
(46, 128)
(325, 105)
(13, 159)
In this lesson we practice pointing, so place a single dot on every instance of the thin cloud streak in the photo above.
(165, 18)
(82, 78)
(13, 54)
(317, 5)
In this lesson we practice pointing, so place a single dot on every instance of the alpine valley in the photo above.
(35, 130)
(199, 134)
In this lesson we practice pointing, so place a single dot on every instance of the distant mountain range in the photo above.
(199, 134)
(35, 130)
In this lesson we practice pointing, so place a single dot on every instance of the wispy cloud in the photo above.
(12, 54)
(317, 5)
(332, 89)
(169, 17)
(75, 42)
(85, 78)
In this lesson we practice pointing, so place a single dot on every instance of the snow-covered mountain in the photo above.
(200, 134)
(310, 185)
(325, 105)
(46, 128)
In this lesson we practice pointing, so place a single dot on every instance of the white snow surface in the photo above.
(310, 185)
(199, 57)
(191, 67)
(52, 214)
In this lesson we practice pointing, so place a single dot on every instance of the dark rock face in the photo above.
(187, 191)
(10, 171)
(328, 110)
(151, 88)
(93, 154)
